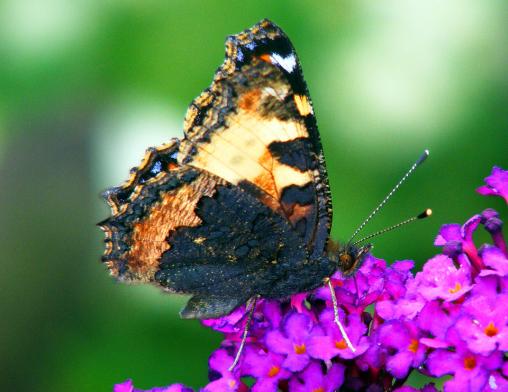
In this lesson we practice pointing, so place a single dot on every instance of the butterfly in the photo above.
(240, 207)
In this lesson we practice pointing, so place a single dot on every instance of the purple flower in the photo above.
(228, 324)
(441, 279)
(332, 344)
(407, 303)
(396, 276)
(401, 341)
(220, 376)
(426, 388)
(359, 291)
(128, 386)
(450, 319)
(312, 379)
(494, 225)
(457, 241)
(433, 322)
(497, 184)
(292, 340)
(484, 323)
(265, 367)
(470, 371)
(495, 259)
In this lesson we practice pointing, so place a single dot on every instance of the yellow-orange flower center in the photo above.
(413, 346)
(274, 370)
(455, 289)
(300, 348)
(491, 330)
(469, 363)
(341, 344)
(320, 389)
(232, 383)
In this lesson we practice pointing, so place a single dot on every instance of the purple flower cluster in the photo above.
(449, 319)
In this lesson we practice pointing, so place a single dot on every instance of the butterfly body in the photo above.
(239, 207)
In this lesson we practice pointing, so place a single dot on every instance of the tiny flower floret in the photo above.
(456, 288)
(300, 348)
(341, 344)
(273, 371)
(469, 363)
(491, 330)
(413, 346)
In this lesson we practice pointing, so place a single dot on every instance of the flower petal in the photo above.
(125, 386)
(399, 364)
(494, 258)
(278, 343)
(297, 326)
(497, 184)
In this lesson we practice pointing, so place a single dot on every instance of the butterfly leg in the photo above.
(336, 316)
(245, 333)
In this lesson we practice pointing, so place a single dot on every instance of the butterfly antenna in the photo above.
(423, 215)
(419, 161)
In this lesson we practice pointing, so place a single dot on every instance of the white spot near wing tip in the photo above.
(288, 63)
(270, 91)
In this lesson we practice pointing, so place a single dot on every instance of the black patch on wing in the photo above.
(283, 110)
(241, 247)
(293, 153)
(302, 195)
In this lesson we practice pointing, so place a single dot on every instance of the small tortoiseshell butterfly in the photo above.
(240, 206)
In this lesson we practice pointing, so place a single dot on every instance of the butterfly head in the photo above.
(348, 257)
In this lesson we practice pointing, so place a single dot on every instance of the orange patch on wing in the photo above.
(300, 212)
(249, 101)
(175, 209)
(266, 58)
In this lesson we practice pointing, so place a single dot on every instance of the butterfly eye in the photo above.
(350, 258)
(347, 262)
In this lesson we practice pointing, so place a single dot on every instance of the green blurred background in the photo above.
(86, 86)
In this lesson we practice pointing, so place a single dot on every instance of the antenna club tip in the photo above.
(425, 214)
(423, 157)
